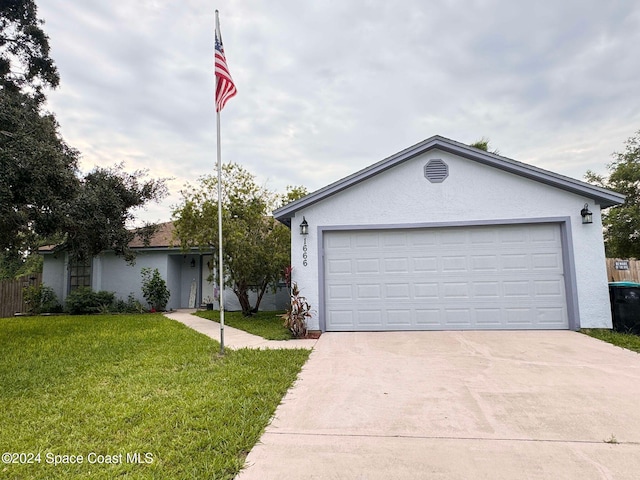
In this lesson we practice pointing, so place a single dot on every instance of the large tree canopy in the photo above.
(255, 245)
(97, 217)
(39, 171)
(622, 223)
(43, 197)
(25, 63)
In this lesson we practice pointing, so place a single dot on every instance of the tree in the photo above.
(24, 50)
(293, 193)
(14, 265)
(39, 172)
(483, 144)
(255, 245)
(96, 218)
(622, 223)
(43, 198)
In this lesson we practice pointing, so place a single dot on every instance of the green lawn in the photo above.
(264, 324)
(111, 387)
(624, 340)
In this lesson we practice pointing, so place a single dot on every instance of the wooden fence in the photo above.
(11, 301)
(623, 270)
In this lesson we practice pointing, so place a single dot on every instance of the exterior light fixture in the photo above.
(193, 263)
(587, 216)
(304, 227)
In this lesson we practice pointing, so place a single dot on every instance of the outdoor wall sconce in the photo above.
(304, 231)
(587, 216)
(304, 227)
(193, 263)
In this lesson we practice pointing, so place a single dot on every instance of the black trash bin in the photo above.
(625, 306)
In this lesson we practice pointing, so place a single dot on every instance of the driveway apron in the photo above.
(457, 405)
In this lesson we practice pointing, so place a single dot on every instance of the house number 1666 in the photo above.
(304, 253)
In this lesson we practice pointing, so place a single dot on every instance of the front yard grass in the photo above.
(624, 340)
(142, 392)
(264, 324)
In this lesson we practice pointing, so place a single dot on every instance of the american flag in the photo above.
(225, 88)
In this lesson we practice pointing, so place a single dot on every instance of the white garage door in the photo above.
(460, 278)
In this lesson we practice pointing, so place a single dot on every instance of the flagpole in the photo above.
(219, 165)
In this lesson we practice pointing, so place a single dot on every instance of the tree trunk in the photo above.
(242, 292)
(260, 292)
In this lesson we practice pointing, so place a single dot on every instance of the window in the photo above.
(79, 274)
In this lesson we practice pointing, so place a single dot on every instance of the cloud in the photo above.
(327, 88)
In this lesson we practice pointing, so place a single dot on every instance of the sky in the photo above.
(326, 88)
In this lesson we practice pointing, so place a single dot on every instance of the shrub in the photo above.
(131, 305)
(154, 289)
(49, 301)
(32, 297)
(41, 299)
(295, 319)
(83, 300)
(104, 298)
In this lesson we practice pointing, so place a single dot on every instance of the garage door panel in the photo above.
(454, 263)
(369, 318)
(488, 317)
(486, 290)
(426, 291)
(339, 266)
(455, 290)
(550, 316)
(368, 291)
(513, 236)
(519, 316)
(492, 277)
(367, 265)
(423, 238)
(399, 317)
(549, 237)
(517, 289)
(485, 263)
(425, 264)
(483, 237)
(339, 242)
(394, 239)
(341, 318)
(548, 288)
(546, 261)
(396, 265)
(367, 240)
(452, 237)
(398, 291)
(428, 317)
(457, 317)
(514, 262)
(339, 293)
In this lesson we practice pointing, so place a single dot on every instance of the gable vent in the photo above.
(436, 171)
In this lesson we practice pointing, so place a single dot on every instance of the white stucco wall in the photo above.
(54, 274)
(472, 192)
(114, 274)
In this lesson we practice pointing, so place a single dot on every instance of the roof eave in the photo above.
(605, 198)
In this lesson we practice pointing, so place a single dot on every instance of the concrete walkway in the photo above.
(457, 405)
(234, 338)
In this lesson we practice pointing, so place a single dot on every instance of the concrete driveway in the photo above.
(457, 405)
